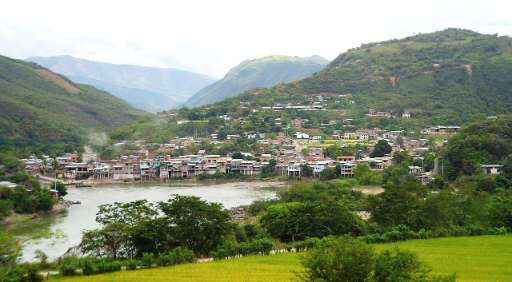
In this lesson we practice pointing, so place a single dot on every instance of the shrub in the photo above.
(148, 260)
(176, 256)
(399, 265)
(344, 259)
(68, 269)
(131, 264)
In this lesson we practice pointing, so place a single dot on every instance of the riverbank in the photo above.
(170, 182)
(17, 218)
(56, 234)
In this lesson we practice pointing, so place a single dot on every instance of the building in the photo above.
(415, 170)
(319, 166)
(76, 171)
(346, 169)
(301, 135)
(492, 169)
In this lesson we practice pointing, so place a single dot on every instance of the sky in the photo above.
(210, 37)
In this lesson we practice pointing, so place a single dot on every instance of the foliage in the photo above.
(381, 149)
(483, 142)
(399, 266)
(60, 187)
(294, 221)
(366, 176)
(343, 259)
(42, 110)
(137, 228)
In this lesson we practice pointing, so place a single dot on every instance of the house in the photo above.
(350, 136)
(346, 158)
(441, 130)
(294, 169)
(492, 169)
(425, 177)
(415, 170)
(319, 166)
(301, 135)
(76, 171)
(346, 169)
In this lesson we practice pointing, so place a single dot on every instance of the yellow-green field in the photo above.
(485, 258)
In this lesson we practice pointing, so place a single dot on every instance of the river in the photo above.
(55, 234)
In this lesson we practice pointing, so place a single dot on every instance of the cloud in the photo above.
(212, 36)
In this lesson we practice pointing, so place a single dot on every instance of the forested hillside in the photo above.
(39, 107)
(448, 76)
(148, 88)
(262, 72)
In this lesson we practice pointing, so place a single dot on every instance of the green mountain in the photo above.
(39, 107)
(142, 99)
(484, 142)
(450, 76)
(148, 88)
(262, 72)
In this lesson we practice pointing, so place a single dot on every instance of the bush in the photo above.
(22, 272)
(176, 256)
(344, 259)
(232, 248)
(96, 266)
(399, 265)
(68, 269)
(131, 264)
(148, 260)
(89, 267)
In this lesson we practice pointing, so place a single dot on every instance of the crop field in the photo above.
(484, 258)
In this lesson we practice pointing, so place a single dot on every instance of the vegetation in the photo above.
(488, 141)
(262, 72)
(131, 230)
(381, 149)
(45, 111)
(28, 196)
(347, 259)
(483, 258)
(147, 88)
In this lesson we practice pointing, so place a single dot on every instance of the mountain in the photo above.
(262, 72)
(39, 107)
(148, 88)
(449, 76)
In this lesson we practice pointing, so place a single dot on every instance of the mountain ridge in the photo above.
(169, 86)
(254, 73)
(42, 108)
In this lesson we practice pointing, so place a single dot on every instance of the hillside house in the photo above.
(492, 169)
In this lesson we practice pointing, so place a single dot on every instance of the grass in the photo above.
(484, 258)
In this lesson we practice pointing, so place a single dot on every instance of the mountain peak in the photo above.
(260, 72)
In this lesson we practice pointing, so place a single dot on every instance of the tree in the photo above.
(237, 155)
(196, 224)
(399, 266)
(61, 188)
(306, 170)
(398, 204)
(381, 148)
(344, 259)
(328, 173)
(365, 176)
(9, 250)
(130, 213)
(112, 241)
(500, 210)
(296, 221)
(269, 169)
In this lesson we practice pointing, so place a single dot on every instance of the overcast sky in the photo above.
(210, 37)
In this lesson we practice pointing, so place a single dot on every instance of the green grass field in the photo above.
(485, 258)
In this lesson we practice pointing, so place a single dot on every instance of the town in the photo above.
(298, 156)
